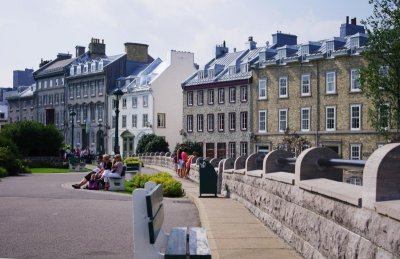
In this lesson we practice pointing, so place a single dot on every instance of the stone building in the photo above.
(23, 78)
(216, 103)
(50, 92)
(313, 89)
(22, 105)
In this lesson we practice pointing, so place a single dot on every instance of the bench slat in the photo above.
(154, 200)
(198, 243)
(155, 224)
(177, 242)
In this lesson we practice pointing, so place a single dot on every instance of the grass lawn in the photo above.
(45, 170)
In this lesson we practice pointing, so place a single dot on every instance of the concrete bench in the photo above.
(117, 183)
(76, 165)
(132, 169)
(149, 238)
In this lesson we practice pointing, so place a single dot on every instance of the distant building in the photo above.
(216, 102)
(22, 78)
(21, 105)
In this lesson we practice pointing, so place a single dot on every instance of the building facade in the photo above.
(216, 103)
(312, 89)
(22, 105)
(23, 78)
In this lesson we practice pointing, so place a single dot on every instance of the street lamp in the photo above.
(72, 114)
(118, 93)
(100, 140)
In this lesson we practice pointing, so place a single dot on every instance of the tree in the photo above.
(151, 143)
(33, 139)
(191, 147)
(293, 143)
(380, 79)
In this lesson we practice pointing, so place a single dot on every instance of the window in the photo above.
(200, 97)
(221, 150)
(243, 148)
(92, 88)
(211, 73)
(200, 74)
(354, 44)
(113, 122)
(243, 121)
(243, 93)
(71, 70)
(305, 85)
(45, 84)
(262, 89)
(232, 121)
(160, 120)
(50, 99)
(355, 151)
(101, 88)
(200, 122)
(283, 87)
(210, 122)
(262, 121)
(85, 90)
(384, 116)
(221, 122)
(101, 65)
(305, 119)
(78, 92)
(330, 118)
(62, 98)
(189, 122)
(145, 120)
(232, 70)
(232, 150)
(134, 120)
(85, 68)
(355, 80)
(93, 66)
(355, 117)
(134, 102)
(50, 83)
(330, 82)
(44, 100)
(62, 81)
(244, 68)
(232, 94)
(123, 102)
(71, 92)
(57, 99)
(145, 101)
(210, 96)
(221, 95)
(283, 114)
(100, 110)
(189, 99)
(330, 46)
(114, 103)
(123, 121)
(209, 149)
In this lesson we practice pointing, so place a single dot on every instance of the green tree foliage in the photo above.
(152, 143)
(293, 142)
(380, 79)
(191, 147)
(32, 138)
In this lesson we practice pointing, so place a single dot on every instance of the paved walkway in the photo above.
(233, 232)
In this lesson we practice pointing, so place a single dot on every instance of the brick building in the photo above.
(313, 89)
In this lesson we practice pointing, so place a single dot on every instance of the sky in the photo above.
(34, 29)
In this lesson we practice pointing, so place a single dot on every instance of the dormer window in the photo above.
(211, 73)
(232, 70)
(281, 54)
(244, 68)
(305, 50)
(200, 74)
(86, 68)
(72, 70)
(127, 81)
(93, 67)
(330, 47)
(354, 44)
(78, 70)
(101, 65)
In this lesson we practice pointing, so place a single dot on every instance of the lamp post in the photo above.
(72, 114)
(118, 93)
(100, 141)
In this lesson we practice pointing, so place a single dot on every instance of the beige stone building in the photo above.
(313, 89)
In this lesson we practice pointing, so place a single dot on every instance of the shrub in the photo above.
(171, 187)
(3, 172)
(133, 160)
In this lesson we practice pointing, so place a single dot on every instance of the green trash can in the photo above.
(208, 178)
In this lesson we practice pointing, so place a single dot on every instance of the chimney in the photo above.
(61, 56)
(221, 50)
(43, 62)
(96, 48)
(137, 52)
(79, 50)
(250, 44)
(280, 39)
(352, 28)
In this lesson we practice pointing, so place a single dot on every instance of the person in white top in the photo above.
(115, 172)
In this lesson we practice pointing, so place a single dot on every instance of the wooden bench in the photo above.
(150, 240)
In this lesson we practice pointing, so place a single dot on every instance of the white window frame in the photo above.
(232, 94)
(303, 85)
(221, 95)
(354, 147)
(189, 123)
(232, 121)
(334, 118)
(134, 101)
(221, 122)
(243, 93)
(243, 120)
(280, 120)
(200, 97)
(352, 117)
(243, 148)
(123, 121)
(189, 99)
(328, 82)
(210, 122)
(262, 89)
(303, 119)
(200, 123)
(145, 120)
(210, 96)
(262, 121)
(161, 120)
(355, 80)
(283, 86)
(145, 100)
(134, 120)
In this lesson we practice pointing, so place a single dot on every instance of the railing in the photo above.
(326, 162)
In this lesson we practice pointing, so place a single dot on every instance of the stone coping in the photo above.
(255, 173)
(240, 171)
(389, 208)
(284, 177)
(342, 191)
(229, 171)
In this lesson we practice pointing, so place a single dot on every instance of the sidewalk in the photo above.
(233, 232)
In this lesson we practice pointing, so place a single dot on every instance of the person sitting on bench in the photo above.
(103, 163)
(116, 171)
